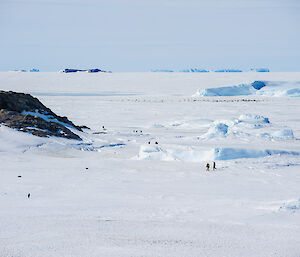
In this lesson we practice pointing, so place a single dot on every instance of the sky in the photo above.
(142, 35)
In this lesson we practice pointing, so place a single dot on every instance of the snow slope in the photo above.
(139, 187)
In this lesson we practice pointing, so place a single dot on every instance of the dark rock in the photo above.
(83, 127)
(14, 108)
(94, 70)
(78, 70)
(20, 102)
(72, 70)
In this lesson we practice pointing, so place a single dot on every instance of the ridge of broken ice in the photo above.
(263, 88)
(175, 153)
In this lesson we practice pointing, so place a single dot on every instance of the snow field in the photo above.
(114, 194)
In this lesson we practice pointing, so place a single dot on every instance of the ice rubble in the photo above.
(280, 134)
(252, 120)
(263, 88)
(219, 129)
(222, 128)
(244, 126)
(293, 205)
(195, 155)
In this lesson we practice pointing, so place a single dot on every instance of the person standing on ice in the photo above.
(214, 166)
(207, 166)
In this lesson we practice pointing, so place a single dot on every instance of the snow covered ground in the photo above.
(114, 194)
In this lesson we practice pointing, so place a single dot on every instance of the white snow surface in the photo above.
(138, 186)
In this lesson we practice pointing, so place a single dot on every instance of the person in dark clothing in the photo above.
(214, 166)
(207, 166)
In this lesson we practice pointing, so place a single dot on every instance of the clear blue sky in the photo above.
(140, 35)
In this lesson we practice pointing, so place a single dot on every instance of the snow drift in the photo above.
(15, 142)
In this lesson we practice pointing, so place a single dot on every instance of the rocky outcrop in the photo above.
(89, 70)
(26, 113)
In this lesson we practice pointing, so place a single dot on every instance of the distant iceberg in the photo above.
(34, 70)
(162, 70)
(71, 70)
(20, 70)
(260, 70)
(205, 70)
(96, 70)
(229, 70)
(88, 70)
(194, 70)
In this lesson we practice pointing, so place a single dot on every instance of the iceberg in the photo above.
(194, 70)
(260, 70)
(263, 88)
(162, 70)
(229, 70)
(88, 70)
(235, 90)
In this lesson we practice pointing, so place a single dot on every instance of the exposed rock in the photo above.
(78, 70)
(72, 70)
(26, 113)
